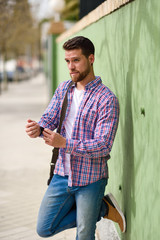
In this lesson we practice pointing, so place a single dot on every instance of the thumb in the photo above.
(29, 121)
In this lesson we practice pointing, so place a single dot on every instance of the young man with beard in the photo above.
(75, 195)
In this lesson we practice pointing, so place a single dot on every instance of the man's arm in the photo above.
(51, 138)
(104, 133)
(51, 117)
(48, 119)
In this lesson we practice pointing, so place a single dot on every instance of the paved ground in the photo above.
(24, 164)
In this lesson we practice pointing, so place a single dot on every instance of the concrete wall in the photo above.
(127, 56)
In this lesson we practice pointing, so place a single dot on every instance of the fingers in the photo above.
(54, 139)
(48, 136)
(30, 123)
(47, 132)
(32, 128)
(29, 120)
(32, 133)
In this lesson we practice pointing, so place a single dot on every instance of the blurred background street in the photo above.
(24, 162)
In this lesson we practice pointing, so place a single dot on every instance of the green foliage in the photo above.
(71, 10)
(17, 27)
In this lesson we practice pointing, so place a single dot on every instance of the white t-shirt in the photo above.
(77, 98)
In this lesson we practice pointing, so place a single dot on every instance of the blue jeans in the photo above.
(66, 207)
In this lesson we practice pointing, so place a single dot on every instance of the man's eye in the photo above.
(76, 60)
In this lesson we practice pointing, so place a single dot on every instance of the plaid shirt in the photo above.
(93, 132)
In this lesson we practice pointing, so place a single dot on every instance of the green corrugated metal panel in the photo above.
(52, 64)
(128, 60)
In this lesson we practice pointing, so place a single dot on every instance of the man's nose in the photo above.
(71, 66)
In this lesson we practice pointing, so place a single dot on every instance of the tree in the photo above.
(18, 30)
(5, 23)
(71, 10)
(25, 33)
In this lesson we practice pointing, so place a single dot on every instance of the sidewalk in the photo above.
(24, 163)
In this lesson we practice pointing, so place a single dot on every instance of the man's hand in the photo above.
(54, 139)
(32, 129)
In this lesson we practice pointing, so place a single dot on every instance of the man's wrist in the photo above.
(41, 131)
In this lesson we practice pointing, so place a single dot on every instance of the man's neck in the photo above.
(81, 85)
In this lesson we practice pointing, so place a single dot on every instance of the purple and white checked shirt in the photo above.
(93, 132)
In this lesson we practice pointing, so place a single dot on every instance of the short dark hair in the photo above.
(82, 43)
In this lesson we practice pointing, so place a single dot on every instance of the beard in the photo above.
(80, 76)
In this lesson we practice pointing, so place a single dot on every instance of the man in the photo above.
(75, 196)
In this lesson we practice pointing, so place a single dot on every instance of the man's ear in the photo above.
(91, 59)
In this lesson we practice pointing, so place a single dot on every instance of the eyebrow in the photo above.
(72, 58)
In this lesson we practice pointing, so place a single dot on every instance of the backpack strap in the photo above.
(55, 151)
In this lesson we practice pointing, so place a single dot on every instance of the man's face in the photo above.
(79, 66)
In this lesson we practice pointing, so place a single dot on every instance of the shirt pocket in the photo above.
(88, 121)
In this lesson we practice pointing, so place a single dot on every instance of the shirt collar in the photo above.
(91, 84)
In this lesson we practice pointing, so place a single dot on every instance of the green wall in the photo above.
(128, 60)
(51, 62)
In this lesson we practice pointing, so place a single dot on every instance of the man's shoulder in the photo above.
(105, 92)
(62, 87)
(64, 84)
